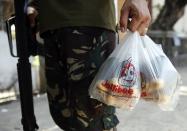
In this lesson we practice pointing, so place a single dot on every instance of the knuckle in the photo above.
(122, 23)
(148, 15)
(148, 19)
(141, 14)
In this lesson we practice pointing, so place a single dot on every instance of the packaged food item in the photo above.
(117, 82)
(122, 86)
(159, 78)
(117, 95)
(137, 68)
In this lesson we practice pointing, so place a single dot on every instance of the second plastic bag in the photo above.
(160, 79)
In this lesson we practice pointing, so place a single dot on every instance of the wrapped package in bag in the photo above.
(159, 77)
(117, 82)
(136, 68)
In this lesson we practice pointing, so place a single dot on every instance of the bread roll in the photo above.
(125, 98)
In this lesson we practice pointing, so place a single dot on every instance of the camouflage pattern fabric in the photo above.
(73, 56)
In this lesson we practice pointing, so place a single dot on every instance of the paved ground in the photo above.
(145, 117)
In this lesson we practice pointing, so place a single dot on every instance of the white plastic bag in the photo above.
(117, 83)
(137, 68)
(159, 77)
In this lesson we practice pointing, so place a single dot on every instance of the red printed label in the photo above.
(117, 88)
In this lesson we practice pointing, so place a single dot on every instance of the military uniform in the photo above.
(77, 41)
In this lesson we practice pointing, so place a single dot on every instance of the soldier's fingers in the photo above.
(134, 23)
(124, 19)
(143, 27)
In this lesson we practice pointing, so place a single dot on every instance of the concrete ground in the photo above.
(145, 117)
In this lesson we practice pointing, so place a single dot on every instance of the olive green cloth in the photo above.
(67, 13)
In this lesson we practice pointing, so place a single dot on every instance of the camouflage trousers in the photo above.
(73, 55)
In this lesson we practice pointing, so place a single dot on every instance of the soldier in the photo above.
(79, 35)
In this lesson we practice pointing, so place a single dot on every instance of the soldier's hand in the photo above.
(135, 16)
(32, 14)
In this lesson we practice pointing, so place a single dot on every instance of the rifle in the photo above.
(26, 46)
